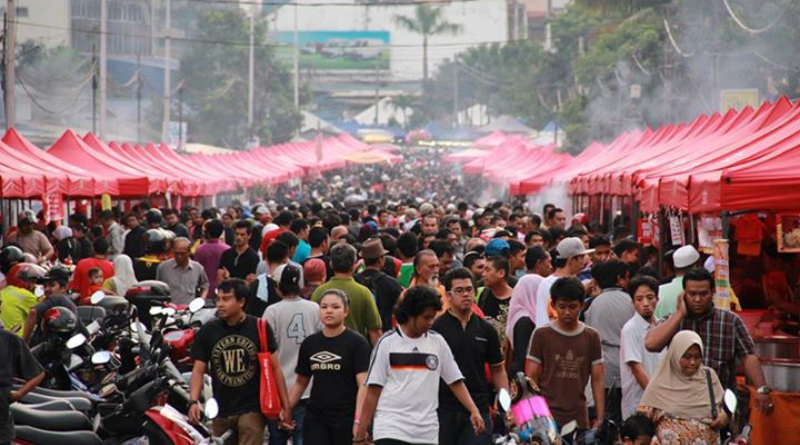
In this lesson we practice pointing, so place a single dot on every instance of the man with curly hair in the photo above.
(411, 360)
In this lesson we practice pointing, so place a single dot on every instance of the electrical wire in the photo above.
(756, 31)
(325, 4)
(672, 40)
(262, 45)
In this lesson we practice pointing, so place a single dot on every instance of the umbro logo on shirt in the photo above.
(324, 360)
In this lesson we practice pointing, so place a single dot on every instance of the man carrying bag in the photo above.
(230, 348)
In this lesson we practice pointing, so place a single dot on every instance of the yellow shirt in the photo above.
(15, 303)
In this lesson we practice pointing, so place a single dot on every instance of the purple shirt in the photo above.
(209, 255)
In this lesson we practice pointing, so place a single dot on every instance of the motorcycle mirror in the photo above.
(569, 428)
(101, 357)
(39, 291)
(504, 399)
(155, 310)
(75, 341)
(196, 304)
(93, 327)
(211, 408)
(97, 297)
(168, 311)
(730, 401)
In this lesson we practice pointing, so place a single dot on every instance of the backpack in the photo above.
(371, 283)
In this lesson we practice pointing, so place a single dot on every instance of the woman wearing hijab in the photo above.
(124, 278)
(521, 316)
(677, 398)
(68, 247)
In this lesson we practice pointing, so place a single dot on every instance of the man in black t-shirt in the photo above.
(474, 343)
(384, 288)
(227, 348)
(240, 261)
(16, 361)
(56, 289)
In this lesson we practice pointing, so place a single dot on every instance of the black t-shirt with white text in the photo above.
(231, 354)
(333, 362)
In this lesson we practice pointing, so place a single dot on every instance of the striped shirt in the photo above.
(408, 370)
(725, 338)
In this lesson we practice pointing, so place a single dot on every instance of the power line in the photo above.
(262, 45)
(322, 4)
(755, 31)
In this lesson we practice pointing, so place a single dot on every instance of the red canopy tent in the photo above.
(79, 182)
(73, 150)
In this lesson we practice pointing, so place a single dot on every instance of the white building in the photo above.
(48, 26)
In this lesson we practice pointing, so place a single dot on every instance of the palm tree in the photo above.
(427, 22)
(403, 103)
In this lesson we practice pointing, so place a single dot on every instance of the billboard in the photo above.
(336, 50)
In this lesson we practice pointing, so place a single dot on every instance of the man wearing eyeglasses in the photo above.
(474, 343)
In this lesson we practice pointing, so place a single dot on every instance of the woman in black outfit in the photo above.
(337, 358)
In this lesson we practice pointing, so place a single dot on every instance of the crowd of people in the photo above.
(396, 312)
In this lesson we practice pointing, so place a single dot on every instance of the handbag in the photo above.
(270, 402)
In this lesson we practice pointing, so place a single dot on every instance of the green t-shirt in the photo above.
(15, 303)
(364, 313)
(406, 272)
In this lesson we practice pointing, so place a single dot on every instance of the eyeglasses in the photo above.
(462, 290)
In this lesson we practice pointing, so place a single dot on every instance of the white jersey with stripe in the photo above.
(408, 370)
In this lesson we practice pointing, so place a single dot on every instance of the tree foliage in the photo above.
(216, 84)
(612, 66)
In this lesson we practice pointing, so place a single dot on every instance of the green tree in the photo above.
(427, 22)
(216, 83)
(403, 103)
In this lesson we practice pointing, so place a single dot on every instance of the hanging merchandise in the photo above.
(749, 235)
(645, 232)
(788, 232)
(722, 275)
(52, 207)
(676, 230)
(709, 228)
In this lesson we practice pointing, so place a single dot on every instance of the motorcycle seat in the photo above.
(38, 436)
(88, 314)
(53, 405)
(60, 394)
(50, 420)
(78, 403)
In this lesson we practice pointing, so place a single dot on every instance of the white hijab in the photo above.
(124, 277)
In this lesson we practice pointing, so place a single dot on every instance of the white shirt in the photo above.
(542, 298)
(632, 350)
(408, 370)
(292, 320)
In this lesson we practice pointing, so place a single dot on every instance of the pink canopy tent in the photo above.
(465, 156)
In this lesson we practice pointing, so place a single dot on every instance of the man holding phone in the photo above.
(724, 335)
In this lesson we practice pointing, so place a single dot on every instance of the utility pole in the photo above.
(180, 116)
(377, 92)
(94, 90)
(103, 66)
(138, 98)
(455, 94)
(9, 46)
(296, 62)
(167, 83)
(252, 73)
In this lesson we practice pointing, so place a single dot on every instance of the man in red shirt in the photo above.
(283, 220)
(80, 278)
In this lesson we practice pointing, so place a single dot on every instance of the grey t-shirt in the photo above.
(608, 314)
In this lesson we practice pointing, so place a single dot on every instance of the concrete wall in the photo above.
(53, 22)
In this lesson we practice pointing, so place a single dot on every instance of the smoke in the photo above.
(555, 194)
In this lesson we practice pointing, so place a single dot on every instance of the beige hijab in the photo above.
(674, 392)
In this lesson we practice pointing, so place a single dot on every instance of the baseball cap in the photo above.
(288, 278)
(497, 247)
(572, 247)
(685, 256)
